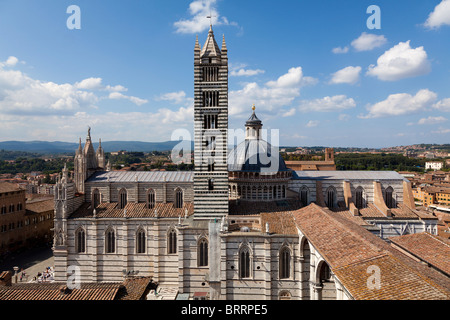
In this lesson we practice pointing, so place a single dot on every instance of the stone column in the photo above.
(268, 267)
(214, 260)
(181, 259)
(155, 251)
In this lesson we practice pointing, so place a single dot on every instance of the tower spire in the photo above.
(224, 45)
(80, 150)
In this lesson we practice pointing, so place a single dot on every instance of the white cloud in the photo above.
(177, 98)
(90, 84)
(327, 104)
(96, 84)
(402, 103)
(11, 61)
(108, 126)
(312, 123)
(367, 42)
(135, 100)
(347, 75)
(21, 94)
(246, 72)
(440, 15)
(272, 95)
(339, 50)
(344, 117)
(442, 131)
(401, 61)
(289, 113)
(443, 105)
(199, 10)
(432, 120)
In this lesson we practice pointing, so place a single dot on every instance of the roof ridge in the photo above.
(384, 254)
(437, 238)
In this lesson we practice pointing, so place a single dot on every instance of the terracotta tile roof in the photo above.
(135, 288)
(133, 210)
(371, 211)
(427, 247)
(403, 212)
(349, 249)
(397, 281)
(8, 187)
(40, 206)
(56, 291)
(348, 215)
(279, 222)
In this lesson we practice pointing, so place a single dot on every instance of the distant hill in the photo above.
(46, 147)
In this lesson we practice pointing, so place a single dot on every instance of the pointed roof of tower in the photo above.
(80, 149)
(253, 120)
(89, 152)
(210, 49)
(197, 45)
(99, 149)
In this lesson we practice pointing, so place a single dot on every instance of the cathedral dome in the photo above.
(255, 155)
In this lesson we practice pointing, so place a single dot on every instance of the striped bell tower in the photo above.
(210, 129)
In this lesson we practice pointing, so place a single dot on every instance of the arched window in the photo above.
(331, 197)
(172, 241)
(110, 241)
(151, 199)
(285, 261)
(203, 253)
(244, 262)
(3, 209)
(80, 240)
(122, 198)
(140, 241)
(304, 196)
(325, 278)
(178, 198)
(325, 273)
(95, 198)
(359, 198)
(389, 197)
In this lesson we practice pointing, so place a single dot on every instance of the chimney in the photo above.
(6, 279)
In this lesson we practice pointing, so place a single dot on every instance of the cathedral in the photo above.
(238, 226)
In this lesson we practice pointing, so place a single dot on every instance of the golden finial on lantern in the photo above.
(253, 107)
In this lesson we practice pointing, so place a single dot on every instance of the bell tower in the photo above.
(210, 129)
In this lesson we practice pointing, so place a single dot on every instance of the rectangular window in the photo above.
(210, 74)
(210, 98)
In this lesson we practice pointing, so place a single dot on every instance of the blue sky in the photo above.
(314, 70)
